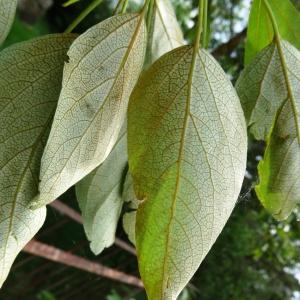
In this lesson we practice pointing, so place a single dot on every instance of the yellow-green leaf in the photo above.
(187, 154)
(100, 197)
(164, 31)
(31, 74)
(7, 15)
(104, 65)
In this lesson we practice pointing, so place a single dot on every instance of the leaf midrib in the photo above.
(289, 87)
(179, 162)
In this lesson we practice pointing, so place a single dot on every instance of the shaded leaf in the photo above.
(259, 99)
(105, 63)
(100, 197)
(129, 218)
(30, 82)
(187, 154)
(164, 31)
(273, 103)
(279, 188)
(7, 15)
(260, 32)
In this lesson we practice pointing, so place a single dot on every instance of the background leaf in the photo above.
(129, 218)
(260, 32)
(187, 154)
(100, 197)
(274, 99)
(30, 82)
(259, 98)
(164, 31)
(105, 63)
(7, 15)
(279, 187)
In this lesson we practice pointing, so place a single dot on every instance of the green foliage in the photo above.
(272, 105)
(260, 30)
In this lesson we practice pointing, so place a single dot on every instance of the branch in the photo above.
(66, 258)
(228, 47)
(74, 215)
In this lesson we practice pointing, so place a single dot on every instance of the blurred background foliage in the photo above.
(255, 257)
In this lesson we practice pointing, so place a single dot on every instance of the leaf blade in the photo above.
(129, 218)
(165, 32)
(85, 129)
(99, 197)
(29, 70)
(164, 168)
(277, 189)
(260, 31)
(7, 15)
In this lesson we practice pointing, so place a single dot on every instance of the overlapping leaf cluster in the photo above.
(269, 89)
(71, 107)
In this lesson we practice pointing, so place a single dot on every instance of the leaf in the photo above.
(279, 188)
(7, 15)
(70, 2)
(100, 197)
(129, 218)
(259, 99)
(260, 32)
(105, 63)
(30, 83)
(273, 104)
(164, 31)
(187, 155)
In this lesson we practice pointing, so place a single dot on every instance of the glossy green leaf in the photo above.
(187, 145)
(7, 15)
(30, 82)
(105, 63)
(270, 90)
(279, 188)
(129, 218)
(164, 31)
(260, 32)
(100, 197)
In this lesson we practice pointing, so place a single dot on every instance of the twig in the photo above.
(63, 257)
(74, 215)
(228, 47)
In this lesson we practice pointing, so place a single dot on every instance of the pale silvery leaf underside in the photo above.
(30, 82)
(104, 65)
(100, 197)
